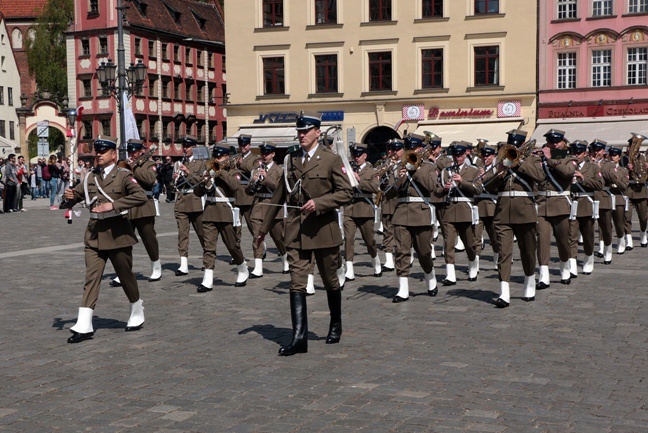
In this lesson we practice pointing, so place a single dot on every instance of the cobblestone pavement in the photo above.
(573, 361)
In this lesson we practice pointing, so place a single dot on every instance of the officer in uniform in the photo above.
(265, 180)
(604, 197)
(485, 203)
(360, 213)
(515, 216)
(314, 185)
(638, 199)
(413, 219)
(460, 185)
(246, 163)
(587, 180)
(389, 198)
(554, 206)
(440, 161)
(219, 188)
(109, 192)
(188, 207)
(618, 189)
(142, 218)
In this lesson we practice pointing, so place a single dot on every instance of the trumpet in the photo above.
(412, 159)
(130, 165)
(228, 164)
(257, 184)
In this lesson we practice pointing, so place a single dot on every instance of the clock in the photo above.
(509, 109)
(413, 112)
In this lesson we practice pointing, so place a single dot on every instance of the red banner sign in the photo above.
(566, 112)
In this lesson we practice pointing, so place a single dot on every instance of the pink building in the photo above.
(182, 45)
(592, 69)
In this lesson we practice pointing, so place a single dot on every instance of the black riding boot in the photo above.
(335, 307)
(299, 343)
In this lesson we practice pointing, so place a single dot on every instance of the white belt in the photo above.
(634, 182)
(554, 193)
(149, 193)
(244, 182)
(264, 195)
(359, 195)
(187, 191)
(515, 194)
(219, 200)
(104, 215)
(582, 194)
(459, 199)
(413, 200)
(487, 196)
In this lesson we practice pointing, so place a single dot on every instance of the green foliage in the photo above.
(46, 53)
(56, 142)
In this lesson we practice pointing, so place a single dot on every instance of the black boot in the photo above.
(335, 307)
(299, 343)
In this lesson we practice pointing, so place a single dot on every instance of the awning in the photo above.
(277, 135)
(7, 147)
(615, 131)
(449, 132)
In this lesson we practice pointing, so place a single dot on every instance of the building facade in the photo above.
(461, 69)
(181, 44)
(593, 63)
(9, 97)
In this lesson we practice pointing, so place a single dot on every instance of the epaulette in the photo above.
(124, 170)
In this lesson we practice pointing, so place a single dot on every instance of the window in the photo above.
(637, 63)
(566, 70)
(153, 83)
(165, 51)
(601, 8)
(637, 6)
(380, 71)
(274, 80)
(3, 125)
(103, 45)
(199, 58)
(601, 68)
(432, 8)
(487, 66)
(93, 7)
(105, 127)
(380, 10)
(138, 47)
(188, 59)
(151, 50)
(10, 96)
(326, 73)
(177, 90)
(325, 11)
(176, 132)
(165, 88)
(273, 13)
(432, 68)
(1, 95)
(12, 132)
(486, 7)
(85, 47)
(87, 130)
(86, 86)
(176, 53)
(566, 9)
(201, 93)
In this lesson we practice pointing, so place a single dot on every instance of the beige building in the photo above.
(462, 69)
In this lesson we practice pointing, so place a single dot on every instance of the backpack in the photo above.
(46, 173)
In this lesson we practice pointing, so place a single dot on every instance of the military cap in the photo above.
(102, 143)
(189, 141)
(134, 145)
(458, 148)
(516, 137)
(555, 136)
(395, 144)
(578, 146)
(615, 151)
(219, 151)
(266, 148)
(487, 151)
(358, 150)
(597, 145)
(412, 141)
(244, 139)
(308, 121)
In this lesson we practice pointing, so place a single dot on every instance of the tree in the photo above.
(46, 53)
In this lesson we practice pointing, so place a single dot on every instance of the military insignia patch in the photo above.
(133, 180)
(344, 170)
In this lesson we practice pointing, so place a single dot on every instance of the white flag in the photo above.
(129, 119)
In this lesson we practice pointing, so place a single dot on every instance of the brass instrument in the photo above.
(412, 159)
(481, 143)
(139, 160)
(559, 153)
(639, 172)
(229, 164)
(258, 182)
(355, 166)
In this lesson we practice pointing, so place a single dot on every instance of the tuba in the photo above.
(639, 172)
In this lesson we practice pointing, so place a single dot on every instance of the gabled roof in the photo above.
(22, 8)
(186, 18)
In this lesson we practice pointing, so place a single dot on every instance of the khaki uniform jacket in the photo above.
(325, 182)
(248, 163)
(116, 232)
(620, 184)
(390, 195)
(460, 211)
(190, 202)
(609, 175)
(515, 210)
(486, 204)
(362, 204)
(443, 161)
(273, 177)
(228, 183)
(593, 181)
(563, 173)
(146, 175)
(415, 214)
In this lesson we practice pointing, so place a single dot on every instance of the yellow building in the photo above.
(462, 69)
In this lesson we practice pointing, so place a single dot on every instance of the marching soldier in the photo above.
(360, 213)
(109, 192)
(314, 184)
(618, 189)
(486, 204)
(638, 199)
(459, 187)
(219, 218)
(142, 218)
(587, 180)
(440, 161)
(515, 216)
(389, 200)
(554, 206)
(605, 198)
(245, 164)
(188, 207)
(264, 181)
(413, 219)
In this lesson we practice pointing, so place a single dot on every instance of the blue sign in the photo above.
(327, 116)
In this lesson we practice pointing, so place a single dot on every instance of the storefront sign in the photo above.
(435, 113)
(327, 116)
(567, 112)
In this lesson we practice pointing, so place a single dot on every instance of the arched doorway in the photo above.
(375, 141)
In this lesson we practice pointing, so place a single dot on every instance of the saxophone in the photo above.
(639, 172)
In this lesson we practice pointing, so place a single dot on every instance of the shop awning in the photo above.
(7, 147)
(449, 132)
(278, 136)
(615, 131)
